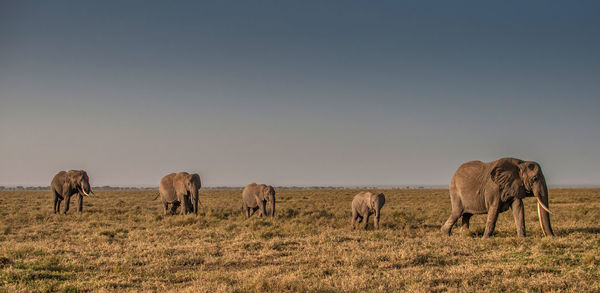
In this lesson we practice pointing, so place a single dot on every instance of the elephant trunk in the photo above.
(273, 206)
(194, 197)
(541, 194)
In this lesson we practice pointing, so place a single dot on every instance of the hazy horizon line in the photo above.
(308, 186)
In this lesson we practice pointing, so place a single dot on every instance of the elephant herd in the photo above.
(476, 188)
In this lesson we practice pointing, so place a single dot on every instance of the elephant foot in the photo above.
(445, 230)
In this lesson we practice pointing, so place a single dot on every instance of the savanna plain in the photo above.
(123, 242)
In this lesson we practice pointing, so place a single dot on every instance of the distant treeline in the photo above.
(106, 187)
(25, 188)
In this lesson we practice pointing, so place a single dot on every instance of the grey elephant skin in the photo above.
(180, 188)
(494, 187)
(255, 196)
(68, 183)
(365, 204)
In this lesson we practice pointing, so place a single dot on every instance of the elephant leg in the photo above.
(466, 217)
(447, 227)
(56, 200)
(196, 206)
(67, 204)
(80, 204)
(166, 208)
(376, 223)
(184, 205)
(263, 209)
(519, 215)
(245, 210)
(174, 206)
(457, 210)
(254, 209)
(190, 206)
(366, 219)
(354, 218)
(491, 221)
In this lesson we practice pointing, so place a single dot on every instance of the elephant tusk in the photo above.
(540, 219)
(543, 205)
(83, 190)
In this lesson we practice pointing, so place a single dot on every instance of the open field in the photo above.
(122, 242)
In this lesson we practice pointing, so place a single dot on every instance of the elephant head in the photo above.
(524, 179)
(267, 194)
(79, 180)
(535, 185)
(375, 203)
(192, 184)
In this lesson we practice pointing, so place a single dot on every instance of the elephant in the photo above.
(68, 183)
(255, 196)
(494, 187)
(364, 204)
(180, 188)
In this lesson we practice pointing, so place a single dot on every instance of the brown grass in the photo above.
(123, 243)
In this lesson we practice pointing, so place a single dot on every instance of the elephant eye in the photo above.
(534, 178)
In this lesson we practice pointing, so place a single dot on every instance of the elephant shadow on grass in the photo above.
(586, 230)
(476, 232)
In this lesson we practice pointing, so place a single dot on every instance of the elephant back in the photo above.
(360, 199)
(166, 188)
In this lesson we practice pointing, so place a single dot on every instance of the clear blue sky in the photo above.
(297, 92)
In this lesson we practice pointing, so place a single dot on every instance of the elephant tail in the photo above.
(156, 196)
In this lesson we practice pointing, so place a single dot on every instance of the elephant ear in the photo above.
(508, 180)
(371, 203)
(381, 198)
(196, 180)
(264, 194)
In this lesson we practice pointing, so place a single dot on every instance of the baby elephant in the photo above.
(363, 205)
(255, 197)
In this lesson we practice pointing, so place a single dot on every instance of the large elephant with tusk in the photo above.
(68, 183)
(494, 187)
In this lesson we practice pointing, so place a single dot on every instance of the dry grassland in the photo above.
(122, 242)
